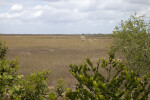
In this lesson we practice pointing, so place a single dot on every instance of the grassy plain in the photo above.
(55, 52)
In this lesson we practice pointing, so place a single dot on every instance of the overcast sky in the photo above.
(67, 16)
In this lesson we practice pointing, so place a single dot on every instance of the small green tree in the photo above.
(132, 40)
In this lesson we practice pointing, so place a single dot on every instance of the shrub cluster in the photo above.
(17, 87)
(131, 39)
(118, 83)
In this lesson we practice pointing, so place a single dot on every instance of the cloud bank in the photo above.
(67, 16)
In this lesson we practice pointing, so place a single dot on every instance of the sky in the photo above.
(67, 16)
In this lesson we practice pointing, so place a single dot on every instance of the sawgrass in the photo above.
(55, 53)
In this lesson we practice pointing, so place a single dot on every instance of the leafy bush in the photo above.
(59, 92)
(3, 50)
(118, 83)
(14, 87)
(35, 86)
(60, 87)
(132, 41)
(9, 78)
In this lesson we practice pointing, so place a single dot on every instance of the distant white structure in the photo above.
(82, 38)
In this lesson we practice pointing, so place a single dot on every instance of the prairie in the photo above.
(55, 53)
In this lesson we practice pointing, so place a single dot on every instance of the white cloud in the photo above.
(85, 15)
(17, 7)
(37, 14)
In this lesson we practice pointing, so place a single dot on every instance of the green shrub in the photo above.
(3, 50)
(118, 83)
(60, 87)
(9, 78)
(52, 96)
(35, 86)
(132, 40)
(16, 87)
(13, 86)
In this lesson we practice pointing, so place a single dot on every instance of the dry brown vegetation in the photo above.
(55, 52)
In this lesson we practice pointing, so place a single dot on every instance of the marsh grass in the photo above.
(54, 53)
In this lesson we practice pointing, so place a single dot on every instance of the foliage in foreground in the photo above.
(132, 40)
(117, 83)
(16, 87)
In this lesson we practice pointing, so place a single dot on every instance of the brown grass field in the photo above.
(55, 53)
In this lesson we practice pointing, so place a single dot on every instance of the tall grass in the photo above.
(55, 53)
